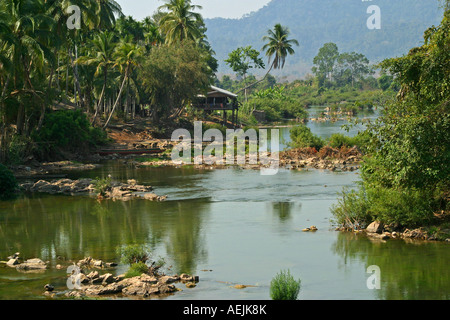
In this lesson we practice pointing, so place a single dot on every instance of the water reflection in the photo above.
(51, 227)
(409, 270)
(283, 210)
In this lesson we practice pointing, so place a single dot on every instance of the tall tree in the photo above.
(242, 59)
(102, 56)
(278, 46)
(181, 22)
(127, 57)
(356, 64)
(325, 61)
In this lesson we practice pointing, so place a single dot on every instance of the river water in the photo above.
(229, 227)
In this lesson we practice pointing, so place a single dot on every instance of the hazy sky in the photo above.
(140, 9)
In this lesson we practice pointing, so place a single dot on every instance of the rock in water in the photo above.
(12, 262)
(49, 287)
(375, 227)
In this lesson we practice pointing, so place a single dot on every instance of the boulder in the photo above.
(32, 264)
(49, 288)
(14, 256)
(168, 279)
(375, 227)
(108, 278)
(13, 262)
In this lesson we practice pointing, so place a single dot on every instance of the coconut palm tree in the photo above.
(106, 12)
(181, 22)
(101, 55)
(25, 46)
(127, 56)
(278, 46)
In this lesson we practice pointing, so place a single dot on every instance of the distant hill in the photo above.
(315, 22)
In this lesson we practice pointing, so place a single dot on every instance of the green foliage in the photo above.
(102, 185)
(136, 270)
(278, 45)
(278, 109)
(20, 148)
(351, 211)
(8, 183)
(242, 59)
(68, 130)
(402, 207)
(406, 177)
(284, 287)
(174, 75)
(302, 137)
(339, 140)
(133, 254)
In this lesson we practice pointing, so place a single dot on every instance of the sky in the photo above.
(140, 9)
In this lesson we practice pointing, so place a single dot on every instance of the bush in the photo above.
(404, 207)
(133, 254)
(277, 109)
(284, 287)
(8, 183)
(302, 137)
(136, 269)
(351, 211)
(68, 130)
(102, 185)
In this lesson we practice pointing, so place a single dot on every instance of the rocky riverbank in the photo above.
(294, 159)
(101, 189)
(379, 231)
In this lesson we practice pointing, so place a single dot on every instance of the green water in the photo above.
(239, 225)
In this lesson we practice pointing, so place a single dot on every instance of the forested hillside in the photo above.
(315, 22)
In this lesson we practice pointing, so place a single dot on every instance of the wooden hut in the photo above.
(218, 99)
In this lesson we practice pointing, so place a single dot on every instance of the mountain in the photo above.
(315, 22)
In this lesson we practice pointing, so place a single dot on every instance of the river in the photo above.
(229, 227)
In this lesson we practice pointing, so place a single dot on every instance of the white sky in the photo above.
(140, 9)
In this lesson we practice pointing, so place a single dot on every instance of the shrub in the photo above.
(284, 287)
(404, 206)
(302, 137)
(133, 254)
(68, 130)
(102, 185)
(8, 183)
(136, 269)
(351, 211)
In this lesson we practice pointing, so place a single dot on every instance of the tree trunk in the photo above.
(101, 99)
(44, 103)
(76, 78)
(259, 81)
(117, 100)
(3, 126)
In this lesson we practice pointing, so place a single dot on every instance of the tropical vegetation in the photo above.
(406, 177)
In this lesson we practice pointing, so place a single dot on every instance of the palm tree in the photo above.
(181, 22)
(152, 34)
(29, 28)
(278, 46)
(127, 57)
(102, 56)
(106, 11)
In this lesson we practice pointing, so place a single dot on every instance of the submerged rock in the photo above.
(32, 265)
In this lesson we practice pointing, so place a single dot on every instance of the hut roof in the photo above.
(219, 92)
